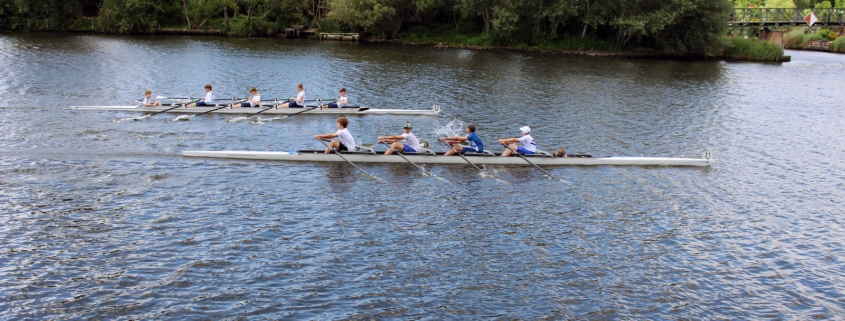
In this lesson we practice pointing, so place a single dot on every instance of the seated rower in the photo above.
(147, 102)
(340, 102)
(298, 101)
(412, 144)
(475, 143)
(254, 99)
(345, 143)
(208, 100)
(528, 146)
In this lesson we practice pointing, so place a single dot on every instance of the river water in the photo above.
(104, 219)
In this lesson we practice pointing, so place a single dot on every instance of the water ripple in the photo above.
(106, 220)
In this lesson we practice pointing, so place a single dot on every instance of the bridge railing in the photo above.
(752, 17)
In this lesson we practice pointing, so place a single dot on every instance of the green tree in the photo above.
(363, 14)
(131, 16)
(382, 16)
(780, 4)
(696, 27)
(505, 20)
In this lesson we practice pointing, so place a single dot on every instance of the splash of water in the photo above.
(259, 120)
(238, 119)
(452, 128)
(490, 171)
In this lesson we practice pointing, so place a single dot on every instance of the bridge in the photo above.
(785, 17)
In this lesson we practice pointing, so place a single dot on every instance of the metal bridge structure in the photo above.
(785, 17)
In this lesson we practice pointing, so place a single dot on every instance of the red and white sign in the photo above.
(811, 19)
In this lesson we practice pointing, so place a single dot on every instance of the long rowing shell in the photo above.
(319, 156)
(279, 111)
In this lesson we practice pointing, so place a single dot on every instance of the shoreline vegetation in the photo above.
(613, 28)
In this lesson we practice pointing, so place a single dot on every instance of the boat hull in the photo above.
(279, 111)
(317, 156)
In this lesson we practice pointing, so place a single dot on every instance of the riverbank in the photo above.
(823, 40)
(735, 49)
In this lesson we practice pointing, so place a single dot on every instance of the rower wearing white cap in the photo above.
(528, 146)
(411, 145)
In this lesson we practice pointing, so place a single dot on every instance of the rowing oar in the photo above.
(186, 117)
(462, 155)
(159, 112)
(319, 106)
(412, 163)
(162, 97)
(237, 119)
(350, 163)
(538, 167)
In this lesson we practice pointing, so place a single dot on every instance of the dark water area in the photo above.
(104, 219)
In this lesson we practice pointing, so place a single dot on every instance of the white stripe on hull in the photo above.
(440, 159)
(250, 110)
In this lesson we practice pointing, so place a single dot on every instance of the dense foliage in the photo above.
(673, 26)
(751, 49)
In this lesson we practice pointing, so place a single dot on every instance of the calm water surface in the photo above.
(104, 219)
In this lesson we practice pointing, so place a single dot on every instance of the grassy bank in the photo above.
(448, 37)
(751, 49)
(731, 47)
(796, 38)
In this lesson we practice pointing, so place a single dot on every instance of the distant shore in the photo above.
(642, 53)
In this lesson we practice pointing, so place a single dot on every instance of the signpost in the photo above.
(811, 19)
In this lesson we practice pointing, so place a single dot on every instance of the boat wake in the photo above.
(238, 119)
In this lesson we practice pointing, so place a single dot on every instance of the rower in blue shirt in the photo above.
(475, 144)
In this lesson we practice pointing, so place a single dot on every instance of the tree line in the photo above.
(674, 26)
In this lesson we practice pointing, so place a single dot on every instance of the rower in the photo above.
(345, 143)
(254, 99)
(411, 145)
(528, 146)
(208, 100)
(340, 101)
(298, 101)
(475, 144)
(147, 102)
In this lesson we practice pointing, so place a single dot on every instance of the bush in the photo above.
(794, 39)
(328, 26)
(838, 45)
(240, 27)
(746, 49)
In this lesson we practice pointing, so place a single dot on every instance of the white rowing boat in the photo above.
(438, 158)
(347, 110)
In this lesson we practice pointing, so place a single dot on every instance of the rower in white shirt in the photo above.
(411, 145)
(340, 102)
(208, 100)
(254, 99)
(147, 102)
(345, 140)
(529, 147)
(298, 101)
